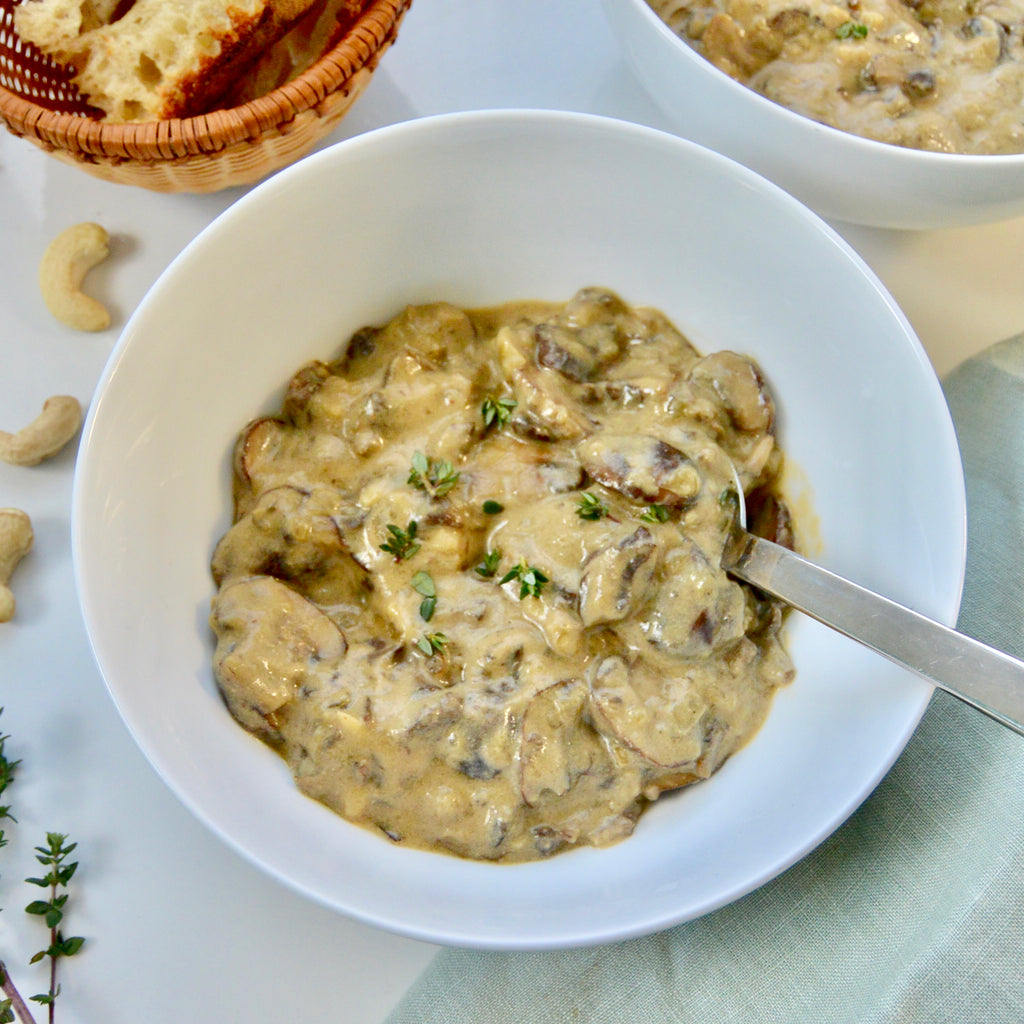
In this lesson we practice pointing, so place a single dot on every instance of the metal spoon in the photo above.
(987, 679)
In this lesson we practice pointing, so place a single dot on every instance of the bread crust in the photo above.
(240, 47)
(140, 60)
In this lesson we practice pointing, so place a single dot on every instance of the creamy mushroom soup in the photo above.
(941, 75)
(472, 591)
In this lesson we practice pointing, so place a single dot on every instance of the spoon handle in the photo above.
(981, 676)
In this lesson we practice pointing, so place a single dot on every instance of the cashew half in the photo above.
(45, 435)
(15, 541)
(67, 259)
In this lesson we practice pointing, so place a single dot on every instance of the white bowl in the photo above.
(839, 175)
(545, 203)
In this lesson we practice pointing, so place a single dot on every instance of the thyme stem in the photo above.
(18, 1004)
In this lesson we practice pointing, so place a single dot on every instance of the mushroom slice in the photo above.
(664, 720)
(548, 840)
(292, 534)
(594, 306)
(271, 643)
(256, 446)
(432, 330)
(552, 750)
(616, 578)
(557, 476)
(641, 467)
(768, 516)
(698, 609)
(739, 388)
(577, 353)
(544, 409)
(728, 45)
(301, 389)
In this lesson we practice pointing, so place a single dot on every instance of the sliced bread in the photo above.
(142, 60)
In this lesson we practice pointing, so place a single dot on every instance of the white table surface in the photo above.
(178, 926)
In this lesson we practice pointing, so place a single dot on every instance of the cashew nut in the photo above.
(45, 435)
(15, 540)
(65, 263)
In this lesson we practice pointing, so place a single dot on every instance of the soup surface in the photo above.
(941, 75)
(472, 589)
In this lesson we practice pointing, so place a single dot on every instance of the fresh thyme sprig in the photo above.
(402, 543)
(497, 411)
(423, 584)
(489, 566)
(54, 856)
(590, 506)
(12, 1002)
(8, 769)
(852, 30)
(435, 476)
(655, 514)
(531, 579)
(432, 643)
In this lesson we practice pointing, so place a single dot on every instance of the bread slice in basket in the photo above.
(143, 60)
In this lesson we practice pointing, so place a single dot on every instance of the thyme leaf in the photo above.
(590, 506)
(497, 411)
(655, 514)
(531, 579)
(489, 566)
(432, 643)
(852, 30)
(436, 477)
(402, 543)
(423, 583)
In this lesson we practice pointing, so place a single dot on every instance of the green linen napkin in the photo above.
(913, 911)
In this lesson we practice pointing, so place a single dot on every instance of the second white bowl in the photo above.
(839, 175)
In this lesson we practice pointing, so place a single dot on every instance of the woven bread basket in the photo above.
(236, 146)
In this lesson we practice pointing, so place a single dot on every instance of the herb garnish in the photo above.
(590, 506)
(423, 584)
(496, 411)
(54, 855)
(852, 30)
(489, 566)
(436, 477)
(432, 643)
(531, 579)
(402, 543)
(8, 769)
(655, 514)
(492, 508)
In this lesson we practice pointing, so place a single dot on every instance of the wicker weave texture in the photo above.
(236, 146)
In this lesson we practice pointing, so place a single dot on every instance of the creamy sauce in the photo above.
(940, 75)
(552, 644)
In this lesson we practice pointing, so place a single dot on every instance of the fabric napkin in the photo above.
(913, 911)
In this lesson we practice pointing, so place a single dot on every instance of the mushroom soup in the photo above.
(940, 75)
(472, 591)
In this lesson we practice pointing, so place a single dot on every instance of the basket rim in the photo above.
(372, 32)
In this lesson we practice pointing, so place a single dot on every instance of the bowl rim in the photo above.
(286, 180)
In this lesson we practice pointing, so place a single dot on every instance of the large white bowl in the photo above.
(839, 175)
(480, 208)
